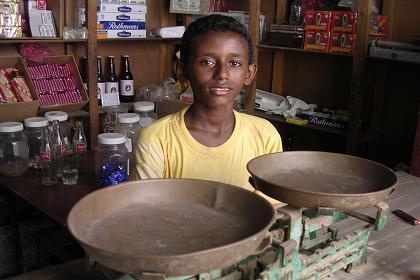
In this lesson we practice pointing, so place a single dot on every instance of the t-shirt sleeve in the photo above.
(149, 159)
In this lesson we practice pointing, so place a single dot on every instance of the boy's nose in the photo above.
(222, 73)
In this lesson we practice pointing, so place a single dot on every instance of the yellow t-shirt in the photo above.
(166, 149)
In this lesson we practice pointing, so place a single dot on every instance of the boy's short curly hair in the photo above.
(214, 23)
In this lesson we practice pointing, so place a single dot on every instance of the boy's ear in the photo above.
(179, 69)
(252, 70)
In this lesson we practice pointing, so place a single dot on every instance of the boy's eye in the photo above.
(235, 63)
(207, 62)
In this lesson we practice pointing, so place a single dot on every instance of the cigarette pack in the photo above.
(118, 8)
(121, 25)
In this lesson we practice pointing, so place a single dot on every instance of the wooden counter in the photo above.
(393, 253)
(55, 201)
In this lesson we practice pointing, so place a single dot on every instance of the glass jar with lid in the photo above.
(61, 117)
(34, 130)
(112, 159)
(146, 111)
(111, 114)
(14, 151)
(128, 125)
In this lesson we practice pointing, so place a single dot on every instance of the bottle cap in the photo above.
(144, 106)
(11, 127)
(36, 122)
(111, 138)
(126, 55)
(56, 116)
(128, 118)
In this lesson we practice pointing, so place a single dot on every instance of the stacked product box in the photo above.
(10, 19)
(378, 27)
(121, 19)
(330, 31)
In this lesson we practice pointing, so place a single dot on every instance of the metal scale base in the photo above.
(303, 245)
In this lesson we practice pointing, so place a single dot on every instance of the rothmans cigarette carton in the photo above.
(121, 25)
(108, 34)
(121, 17)
(119, 8)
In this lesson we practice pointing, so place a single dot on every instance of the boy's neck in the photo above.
(210, 127)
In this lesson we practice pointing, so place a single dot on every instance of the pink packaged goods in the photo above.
(54, 84)
(317, 41)
(344, 22)
(342, 43)
(317, 20)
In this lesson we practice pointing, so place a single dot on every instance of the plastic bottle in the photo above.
(80, 146)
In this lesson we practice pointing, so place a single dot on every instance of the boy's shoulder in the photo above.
(257, 122)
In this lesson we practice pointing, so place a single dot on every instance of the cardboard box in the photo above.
(64, 59)
(378, 25)
(318, 20)
(121, 25)
(344, 22)
(120, 8)
(317, 41)
(20, 110)
(342, 43)
(121, 17)
(107, 34)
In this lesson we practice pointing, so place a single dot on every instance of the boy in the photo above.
(209, 140)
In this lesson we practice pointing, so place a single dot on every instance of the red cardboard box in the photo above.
(318, 20)
(344, 22)
(318, 41)
(378, 25)
(64, 59)
(342, 43)
(18, 111)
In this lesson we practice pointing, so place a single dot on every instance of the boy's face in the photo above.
(218, 68)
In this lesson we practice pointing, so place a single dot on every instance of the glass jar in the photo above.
(146, 112)
(14, 151)
(110, 119)
(62, 117)
(34, 128)
(112, 160)
(128, 125)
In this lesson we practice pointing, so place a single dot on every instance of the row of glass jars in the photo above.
(18, 151)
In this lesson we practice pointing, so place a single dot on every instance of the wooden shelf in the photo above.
(276, 48)
(281, 119)
(40, 40)
(177, 40)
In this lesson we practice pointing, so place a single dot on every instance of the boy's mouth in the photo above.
(220, 91)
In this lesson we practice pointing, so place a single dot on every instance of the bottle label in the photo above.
(101, 89)
(45, 157)
(127, 87)
(81, 148)
(64, 150)
(111, 87)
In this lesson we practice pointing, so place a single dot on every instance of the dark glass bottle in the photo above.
(83, 71)
(126, 81)
(111, 84)
(101, 78)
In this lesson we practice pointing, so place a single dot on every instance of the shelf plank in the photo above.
(40, 40)
(276, 48)
(281, 119)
